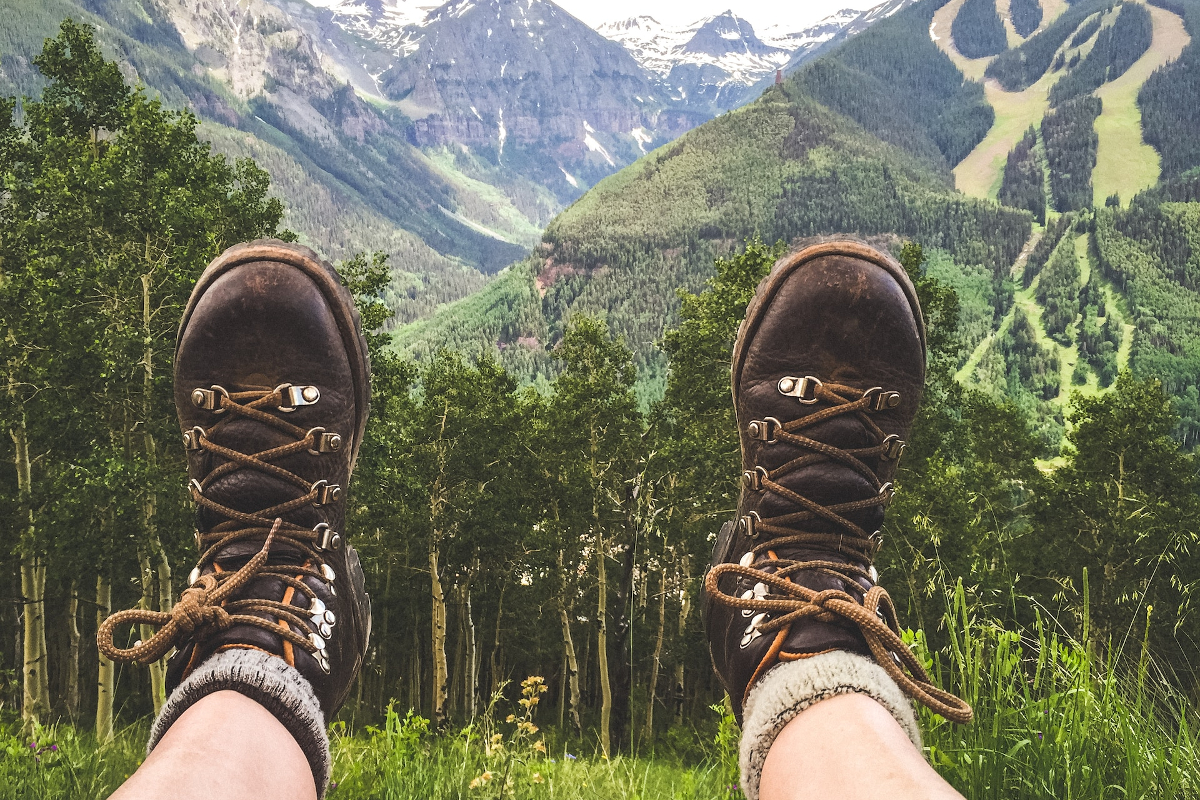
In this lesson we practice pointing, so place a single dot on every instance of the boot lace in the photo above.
(206, 607)
(776, 602)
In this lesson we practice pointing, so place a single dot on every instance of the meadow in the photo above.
(1051, 722)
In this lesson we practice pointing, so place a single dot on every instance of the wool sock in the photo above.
(792, 686)
(269, 681)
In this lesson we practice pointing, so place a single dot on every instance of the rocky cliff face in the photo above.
(515, 77)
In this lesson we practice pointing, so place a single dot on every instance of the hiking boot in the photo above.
(828, 370)
(272, 384)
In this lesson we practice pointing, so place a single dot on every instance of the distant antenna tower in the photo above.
(778, 77)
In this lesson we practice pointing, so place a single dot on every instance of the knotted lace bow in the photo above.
(787, 602)
(207, 606)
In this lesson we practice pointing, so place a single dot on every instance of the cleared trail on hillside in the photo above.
(1125, 164)
(965, 374)
(1068, 355)
(979, 174)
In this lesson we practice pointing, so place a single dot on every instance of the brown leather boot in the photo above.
(272, 386)
(828, 370)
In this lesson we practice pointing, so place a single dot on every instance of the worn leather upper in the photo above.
(264, 315)
(843, 313)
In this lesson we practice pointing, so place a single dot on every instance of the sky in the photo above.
(796, 14)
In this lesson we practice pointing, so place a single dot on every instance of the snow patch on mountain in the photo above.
(724, 41)
(394, 25)
(788, 38)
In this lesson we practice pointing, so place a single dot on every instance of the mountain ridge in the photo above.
(784, 166)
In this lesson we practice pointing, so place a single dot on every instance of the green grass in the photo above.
(1051, 721)
(982, 171)
(1054, 722)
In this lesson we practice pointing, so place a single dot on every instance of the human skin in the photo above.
(848, 747)
(227, 746)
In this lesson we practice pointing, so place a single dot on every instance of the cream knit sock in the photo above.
(269, 681)
(792, 686)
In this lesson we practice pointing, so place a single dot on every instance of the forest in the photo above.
(1026, 16)
(1020, 67)
(895, 82)
(978, 31)
(537, 519)
(1170, 99)
(1070, 140)
(1024, 183)
(1114, 51)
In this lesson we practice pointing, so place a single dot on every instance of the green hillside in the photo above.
(782, 167)
(894, 81)
(858, 141)
(862, 141)
(1151, 253)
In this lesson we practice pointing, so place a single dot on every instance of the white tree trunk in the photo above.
(35, 701)
(106, 674)
(606, 699)
(440, 669)
(656, 662)
(72, 667)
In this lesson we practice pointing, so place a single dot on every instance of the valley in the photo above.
(630, 242)
(519, 168)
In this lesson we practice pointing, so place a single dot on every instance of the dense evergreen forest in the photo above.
(1114, 51)
(1026, 16)
(1086, 31)
(1045, 248)
(1100, 335)
(896, 83)
(1058, 293)
(1031, 368)
(1150, 251)
(1020, 67)
(978, 31)
(1070, 140)
(1170, 99)
(1024, 184)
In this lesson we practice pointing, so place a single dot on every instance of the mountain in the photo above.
(528, 82)
(453, 172)
(709, 64)
(518, 89)
(891, 133)
(394, 25)
(790, 39)
(782, 167)
(265, 88)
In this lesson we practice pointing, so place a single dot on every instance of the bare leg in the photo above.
(228, 746)
(848, 747)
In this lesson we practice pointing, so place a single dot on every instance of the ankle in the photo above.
(849, 746)
(271, 683)
(787, 691)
